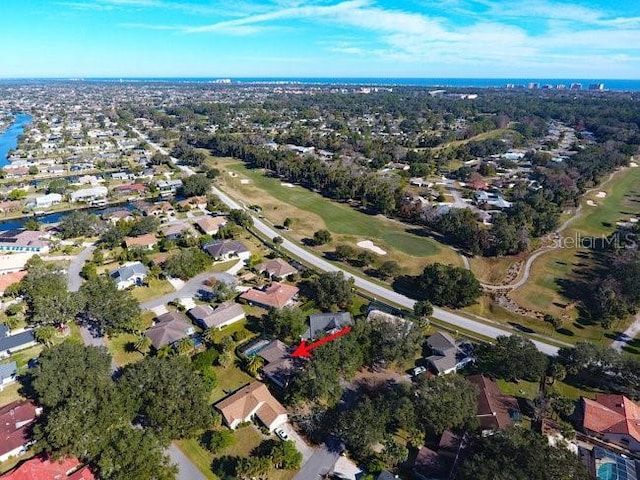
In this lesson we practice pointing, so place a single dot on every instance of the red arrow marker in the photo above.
(304, 350)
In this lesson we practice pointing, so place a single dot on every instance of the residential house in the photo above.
(168, 329)
(321, 324)
(56, 169)
(23, 241)
(157, 209)
(496, 411)
(130, 189)
(14, 343)
(226, 249)
(223, 315)
(276, 295)
(252, 401)
(194, 202)
(10, 206)
(386, 475)
(613, 418)
(439, 464)
(447, 356)
(11, 278)
(129, 274)
(147, 241)
(46, 201)
(210, 225)
(117, 215)
(45, 468)
(168, 187)
(8, 373)
(276, 268)
(88, 195)
(175, 230)
(122, 176)
(15, 424)
(280, 367)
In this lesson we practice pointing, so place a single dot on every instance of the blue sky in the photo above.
(358, 38)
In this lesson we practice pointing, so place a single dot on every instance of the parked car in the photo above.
(418, 370)
(282, 435)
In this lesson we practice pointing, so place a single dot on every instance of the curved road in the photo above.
(377, 291)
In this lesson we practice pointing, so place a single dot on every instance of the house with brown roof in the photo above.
(45, 468)
(280, 367)
(169, 329)
(117, 215)
(175, 230)
(614, 419)
(252, 401)
(130, 188)
(15, 425)
(276, 295)
(225, 314)
(210, 225)
(11, 278)
(157, 209)
(227, 249)
(496, 411)
(276, 268)
(147, 241)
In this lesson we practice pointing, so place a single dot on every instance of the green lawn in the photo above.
(246, 439)
(543, 292)
(10, 394)
(154, 289)
(230, 379)
(339, 218)
(120, 349)
(521, 389)
(223, 266)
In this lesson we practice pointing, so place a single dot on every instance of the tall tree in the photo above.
(112, 309)
(512, 357)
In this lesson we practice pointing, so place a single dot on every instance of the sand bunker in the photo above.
(245, 181)
(591, 203)
(369, 245)
(601, 195)
(288, 185)
(232, 174)
(633, 164)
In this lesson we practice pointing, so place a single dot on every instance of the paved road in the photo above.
(74, 280)
(379, 291)
(189, 289)
(320, 463)
(628, 335)
(186, 469)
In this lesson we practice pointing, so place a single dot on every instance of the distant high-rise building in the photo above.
(596, 86)
(575, 86)
(560, 86)
(533, 86)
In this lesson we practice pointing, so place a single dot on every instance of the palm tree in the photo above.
(209, 335)
(45, 335)
(185, 346)
(142, 344)
(164, 352)
(253, 365)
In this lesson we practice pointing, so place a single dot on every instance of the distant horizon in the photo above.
(307, 77)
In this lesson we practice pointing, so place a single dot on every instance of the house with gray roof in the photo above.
(8, 373)
(169, 329)
(447, 356)
(225, 314)
(13, 343)
(321, 324)
(129, 275)
(226, 249)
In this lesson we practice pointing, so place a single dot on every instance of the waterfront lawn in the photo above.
(521, 388)
(10, 393)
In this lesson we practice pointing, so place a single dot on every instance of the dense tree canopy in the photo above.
(450, 286)
(331, 290)
(196, 185)
(512, 357)
(80, 224)
(187, 263)
(113, 310)
(519, 454)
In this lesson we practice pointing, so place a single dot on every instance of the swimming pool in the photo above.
(607, 471)
(254, 348)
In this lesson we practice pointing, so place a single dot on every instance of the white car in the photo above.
(282, 435)
(418, 370)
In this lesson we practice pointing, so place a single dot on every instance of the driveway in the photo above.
(186, 469)
(74, 280)
(321, 462)
(302, 446)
